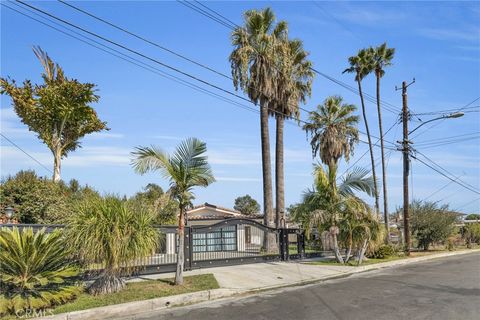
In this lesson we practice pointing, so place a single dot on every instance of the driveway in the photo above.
(447, 288)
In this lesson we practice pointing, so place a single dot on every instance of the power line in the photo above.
(438, 122)
(206, 14)
(342, 25)
(154, 60)
(156, 44)
(444, 111)
(144, 65)
(447, 138)
(150, 58)
(26, 153)
(449, 178)
(218, 14)
(441, 188)
(132, 60)
(443, 169)
(466, 204)
(135, 52)
(365, 153)
(440, 144)
(387, 106)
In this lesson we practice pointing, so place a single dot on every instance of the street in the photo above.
(447, 288)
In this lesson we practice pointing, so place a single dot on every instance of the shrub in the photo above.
(384, 251)
(111, 233)
(40, 200)
(471, 233)
(35, 272)
(431, 223)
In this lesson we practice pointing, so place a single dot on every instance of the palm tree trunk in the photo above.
(384, 172)
(372, 159)
(361, 252)
(181, 247)
(279, 172)
(269, 239)
(349, 250)
(336, 250)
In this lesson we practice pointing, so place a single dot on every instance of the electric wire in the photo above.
(26, 153)
(443, 174)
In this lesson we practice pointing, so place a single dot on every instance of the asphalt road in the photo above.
(447, 288)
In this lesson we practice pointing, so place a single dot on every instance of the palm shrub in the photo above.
(35, 270)
(335, 208)
(185, 169)
(113, 234)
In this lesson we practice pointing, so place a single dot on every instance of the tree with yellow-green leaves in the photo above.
(58, 110)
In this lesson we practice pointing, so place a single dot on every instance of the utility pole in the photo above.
(406, 166)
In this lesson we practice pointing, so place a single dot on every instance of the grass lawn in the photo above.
(142, 290)
(293, 249)
(351, 263)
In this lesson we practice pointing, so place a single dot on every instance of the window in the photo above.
(224, 239)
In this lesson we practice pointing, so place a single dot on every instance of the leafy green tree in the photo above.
(382, 58)
(333, 130)
(246, 205)
(40, 200)
(471, 233)
(362, 65)
(57, 110)
(253, 62)
(35, 270)
(160, 203)
(473, 216)
(430, 222)
(113, 234)
(185, 169)
(294, 85)
(35, 199)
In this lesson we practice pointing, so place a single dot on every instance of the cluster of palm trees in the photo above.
(331, 205)
(275, 73)
(367, 61)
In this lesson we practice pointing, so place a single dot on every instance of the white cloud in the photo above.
(161, 137)
(234, 156)
(83, 157)
(105, 135)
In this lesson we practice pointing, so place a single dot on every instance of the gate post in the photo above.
(301, 244)
(188, 248)
(284, 244)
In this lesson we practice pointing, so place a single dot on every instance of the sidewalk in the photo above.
(241, 280)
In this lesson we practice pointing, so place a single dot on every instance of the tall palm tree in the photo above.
(361, 65)
(293, 87)
(253, 69)
(186, 168)
(382, 57)
(333, 130)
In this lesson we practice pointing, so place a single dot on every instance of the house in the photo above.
(237, 238)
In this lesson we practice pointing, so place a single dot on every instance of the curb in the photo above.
(136, 307)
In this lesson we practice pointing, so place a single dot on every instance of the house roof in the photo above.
(216, 213)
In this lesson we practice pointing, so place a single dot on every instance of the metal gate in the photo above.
(234, 241)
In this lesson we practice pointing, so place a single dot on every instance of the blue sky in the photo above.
(437, 43)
